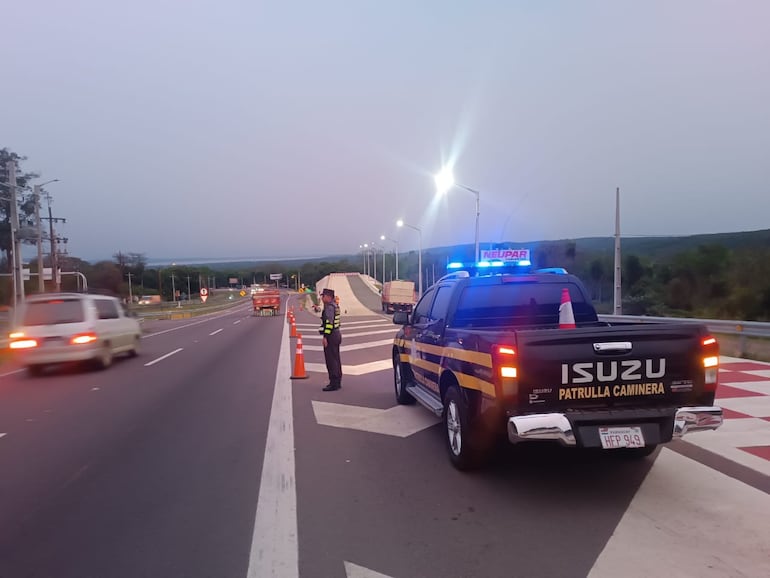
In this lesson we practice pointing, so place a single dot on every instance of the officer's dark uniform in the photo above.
(330, 328)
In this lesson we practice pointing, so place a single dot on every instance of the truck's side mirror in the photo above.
(401, 318)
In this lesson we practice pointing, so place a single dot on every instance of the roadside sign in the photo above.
(276, 276)
(204, 297)
(204, 292)
(243, 293)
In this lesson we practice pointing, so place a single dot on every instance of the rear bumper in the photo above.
(62, 354)
(558, 427)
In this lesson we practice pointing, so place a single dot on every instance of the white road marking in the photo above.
(399, 421)
(215, 332)
(697, 521)
(162, 357)
(351, 335)
(361, 369)
(3, 435)
(355, 324)
(236, 322)
(356, 571)
(274, 545)
(11, 372)
(194, 323)
(353, 347)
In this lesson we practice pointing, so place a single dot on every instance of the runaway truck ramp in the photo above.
(340, 283)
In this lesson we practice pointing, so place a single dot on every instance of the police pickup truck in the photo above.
(486, 353)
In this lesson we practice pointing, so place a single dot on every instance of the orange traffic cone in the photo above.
(299, 361)
(293, 332)
(566, 315)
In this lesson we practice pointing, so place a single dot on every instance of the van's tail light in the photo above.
(23, 344)
(710, 356)
(506, 372)
(82, 338)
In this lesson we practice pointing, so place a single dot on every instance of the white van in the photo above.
(62, 327)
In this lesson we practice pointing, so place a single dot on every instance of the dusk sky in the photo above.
(257, 129)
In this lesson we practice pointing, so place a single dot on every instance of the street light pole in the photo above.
(445, 181)
(18, 275)
(401, 223)
(383, 237)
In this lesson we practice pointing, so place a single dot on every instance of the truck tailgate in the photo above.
(656, 365)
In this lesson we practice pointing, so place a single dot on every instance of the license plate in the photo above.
(621, 437)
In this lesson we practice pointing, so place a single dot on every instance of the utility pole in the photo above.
(38, 224)
(130, 292)
(188, 287)
(618, 303)
(54, 245)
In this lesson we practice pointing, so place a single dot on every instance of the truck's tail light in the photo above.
(505, 370)
(23, 344)
(83, 338)
(710, 363)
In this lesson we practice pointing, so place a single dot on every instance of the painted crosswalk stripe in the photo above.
(349, 334)
(353, 347)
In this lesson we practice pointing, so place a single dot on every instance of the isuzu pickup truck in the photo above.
(487, 353)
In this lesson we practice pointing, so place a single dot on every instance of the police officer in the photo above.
(330, 329)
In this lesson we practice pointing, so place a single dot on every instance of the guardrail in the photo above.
(173, 312)
(743, 329)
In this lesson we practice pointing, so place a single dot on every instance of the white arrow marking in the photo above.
(361, 369)
(399, 421)
(215, 332)
(274, 545)
(356, 571)
(354, 347)
(162, 357)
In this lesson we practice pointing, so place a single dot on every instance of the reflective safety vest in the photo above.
(329, 325)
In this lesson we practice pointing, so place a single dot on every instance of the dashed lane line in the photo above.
(11, 372)
(162, 357)
(215, 332)
(234, 310)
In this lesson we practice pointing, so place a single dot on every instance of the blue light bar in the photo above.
(524, 263)
(553, 270)
(497, 263)
(483, 264)
(455, 265)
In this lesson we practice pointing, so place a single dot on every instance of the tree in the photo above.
(25, 201)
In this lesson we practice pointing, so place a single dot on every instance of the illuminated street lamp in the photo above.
(444, 181)
(400, 223)
(383, 238)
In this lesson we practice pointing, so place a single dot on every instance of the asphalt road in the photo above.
(140, 470)
(211, 462)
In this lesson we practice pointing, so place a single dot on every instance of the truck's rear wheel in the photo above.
(467, 443)
(401, 376)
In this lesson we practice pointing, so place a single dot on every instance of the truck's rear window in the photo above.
(534, 304)
(54, 312)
